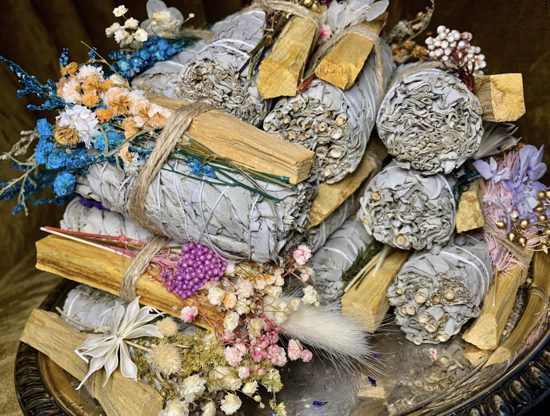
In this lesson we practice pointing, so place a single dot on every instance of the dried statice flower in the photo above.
(436, 293)
(430, 121)
(210, 76)
(406, 209)
(335, 124)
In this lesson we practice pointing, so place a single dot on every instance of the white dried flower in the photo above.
(310, 295)
(242, 308)
(274, 291)
(131, 23)
(209, 409)
(250, 388)
(165, 358)
(89, 71)
(160, 18)
(83, 120)
(110, 31)
(230, 268)
(231, 321)
(140, 35)
(294, 304)
(120, 11)
(225, 377)
(216, 295)
(230, 404)
(244, 289)
(167, 327)
(255, 326)
(175, 408)
(118, 80)
(120, 35)
(193, 386)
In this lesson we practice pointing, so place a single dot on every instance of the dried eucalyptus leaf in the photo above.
(406, 209)
(436, 293)
(430, 121)
(335, 124)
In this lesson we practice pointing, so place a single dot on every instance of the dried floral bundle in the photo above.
(335, 257)
(430, 121)
(437, 292)
(212, 75)
(335, 124)
(406, 209)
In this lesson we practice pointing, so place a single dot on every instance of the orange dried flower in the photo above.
(157, 121)
(117, 101)
(126, 155)
(103, 114)
(67, 136)
(90, 100)
(92, 85)
(69, 69)
(60, 85)
(108, 84)
(130, 127)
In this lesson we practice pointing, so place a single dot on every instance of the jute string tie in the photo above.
(366, 33)
(177, 125)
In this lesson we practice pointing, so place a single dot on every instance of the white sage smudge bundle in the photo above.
(430, 121)
(84, 218)
(435, 294)
(235, 222)
(409, 210)
(332, 260)
(210, 75)
(335, 124)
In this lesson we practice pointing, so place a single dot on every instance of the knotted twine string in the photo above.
(177, 125)
(366, 33)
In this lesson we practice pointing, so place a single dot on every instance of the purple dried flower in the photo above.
(90, 203)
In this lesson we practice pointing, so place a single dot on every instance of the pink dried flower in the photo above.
(276, 355)
(261, 372)
(302, 254)
(326, 33)
(244, 289)
(294, 350)
(305, 277)
(273, 337)
(189, 313)
(242, 348)
(244, 372)
(306, 356)
(233, 356)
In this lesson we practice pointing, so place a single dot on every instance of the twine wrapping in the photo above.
(366, 33)
(177, 125)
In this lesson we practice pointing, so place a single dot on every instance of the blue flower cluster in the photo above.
(64, 184)
(114, 139)
(155, 49)
(31, 85)
(198, 169)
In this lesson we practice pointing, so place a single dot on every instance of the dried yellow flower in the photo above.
(67, 136)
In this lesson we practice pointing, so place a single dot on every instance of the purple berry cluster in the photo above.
(198, 265)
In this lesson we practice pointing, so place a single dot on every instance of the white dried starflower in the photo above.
(216, 295)
(110, 31)
(250, 388)
(167, 327)
(230, 404)
(131, 23)
(193, 386)
(209, 409)
(175, 408)
(140, 35)
(231, 321)
(120, 11)
(165, 358)
(310, 295)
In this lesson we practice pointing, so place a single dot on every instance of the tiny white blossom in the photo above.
(216, 295)
(310, 295)
(274, 291)
(255, 326)
(120, 11)
(209, 409)
(120, 35)
(230, 404)
(175, 408)
(231, 321)
(250, 388)
(242, 308)
(140, 35)
(193, 386)
(131, 23)
(110, 31)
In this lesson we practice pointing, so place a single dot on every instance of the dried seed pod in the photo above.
(430, 121)
(455, 281)
(406, 209)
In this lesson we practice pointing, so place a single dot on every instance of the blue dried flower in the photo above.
(43, 150)
(114, 140)
(44, 128)
(64, 184)
(56, 159)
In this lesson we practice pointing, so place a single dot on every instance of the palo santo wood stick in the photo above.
(486, 331)
(346, 60)
(331, 196)
(246, 145)
(104, 270)
(57, 339)
(369, 302)
(501, 97)
(475, 355)
(281, 72)
(535, 312)
(470, 209)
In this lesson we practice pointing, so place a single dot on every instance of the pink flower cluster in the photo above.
(302, 254)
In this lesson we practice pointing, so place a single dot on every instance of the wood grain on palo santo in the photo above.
(470, 208)
(501, 97)
(281, 71)
(104, 269)
(346, 60)
(368, 301)
(246, 145)
(121, 396)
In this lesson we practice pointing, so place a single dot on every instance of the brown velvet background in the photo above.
(514, 36)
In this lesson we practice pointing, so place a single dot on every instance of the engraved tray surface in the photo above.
(428, 379)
